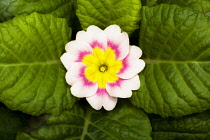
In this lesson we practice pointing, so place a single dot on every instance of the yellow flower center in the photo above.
(102, 66)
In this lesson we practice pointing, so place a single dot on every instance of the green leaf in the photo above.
(11, 123)
(60, 8)
(175, 43)
(201, 5)
(125, 122)
(148, 2)
(32, 78)
(194, 127)
(102, 13)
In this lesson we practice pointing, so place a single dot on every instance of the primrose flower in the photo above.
(102, 66)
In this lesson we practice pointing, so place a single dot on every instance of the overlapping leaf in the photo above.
(102, 13)
(60, 8)
(124, 123)
(32, 78)
(176, 47)
(194, 127)
(148, 2)
(11, 123)
(201, 5)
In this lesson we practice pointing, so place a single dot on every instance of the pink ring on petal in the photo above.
(117, 41)
(96, 44)
(114, 47)
(122, 87)
(81, 87)
(93, 36)
(81, 55)
(76, 50)
(131, 63)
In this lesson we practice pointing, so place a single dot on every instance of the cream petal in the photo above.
(73, 74)
(133, 83)
(81, 86)
(93, 36)
(95, 101)
(80, 90)
(117, 41)
(76, 75)
(132, 65)
(135, 51)
(122, 88)
(67, 60)
(77, 50)
(102, 98)
(109, 102)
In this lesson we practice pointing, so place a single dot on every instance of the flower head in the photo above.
(102, 66)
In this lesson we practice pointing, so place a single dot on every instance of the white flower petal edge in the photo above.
(122, 88)
(94, 36)
(117, 41)
(67, 60)
(109, 102)
(76, 46)
(73, 74)
(102, 98)
(132, 65)
(79, 90)
(81, 87)
(76, 50)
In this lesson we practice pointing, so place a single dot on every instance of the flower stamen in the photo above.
(103, 68)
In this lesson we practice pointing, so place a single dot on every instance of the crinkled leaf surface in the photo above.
(11, 123)
(58, 8)
(148, 2)
(201, 5)
(125, 122)
(194, 127)
(102, 13)
(32, 78)
(176, 48)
